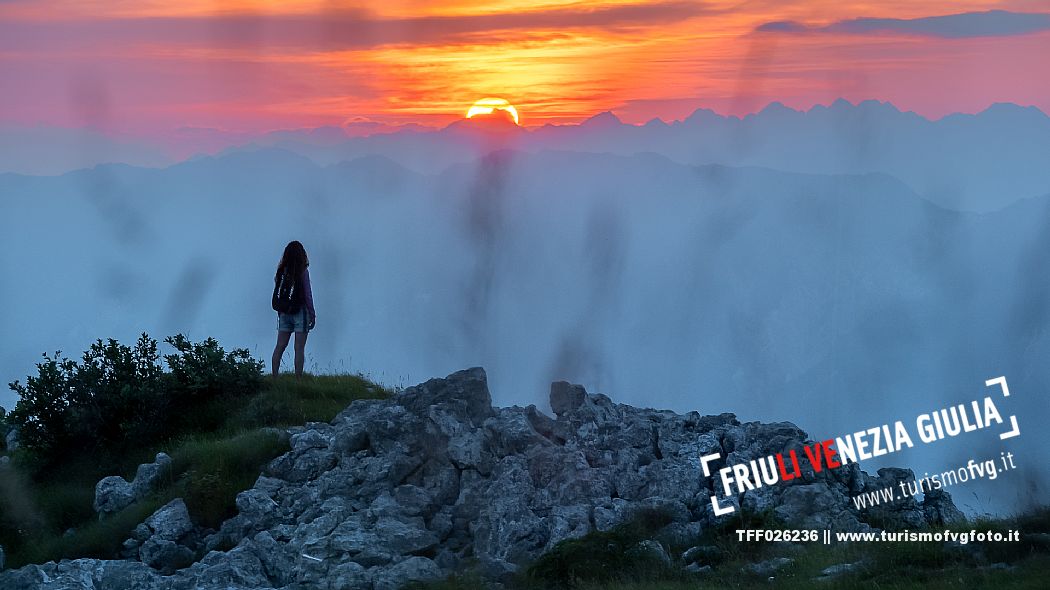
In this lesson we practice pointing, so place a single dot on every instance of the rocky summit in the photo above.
(434, 480)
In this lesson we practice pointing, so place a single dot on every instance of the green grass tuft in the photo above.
(211, 471)
(287, 401)
(98, 538)
(604, 556)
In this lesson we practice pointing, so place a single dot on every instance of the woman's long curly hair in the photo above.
(294, 260)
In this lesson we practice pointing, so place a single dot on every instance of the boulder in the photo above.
(310, 439)
(769, 567)
(348, 576)
(840, 569)
(703, 554)
(166, 556)
(413, 569)
(238, 568)
(112, 494)
(815, 506)
(697, 569)
(904, 513)
(464, 393)
(148, 475)
(939, 509)
(170, 522)
(650, 549)
(162, 531)
(566, 397)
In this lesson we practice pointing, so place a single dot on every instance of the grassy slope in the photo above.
(209, 469)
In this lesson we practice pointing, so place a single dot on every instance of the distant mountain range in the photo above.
(979, 162)
(968, 162)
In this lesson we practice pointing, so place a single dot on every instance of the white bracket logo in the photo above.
(719, 510)
(1001, 382)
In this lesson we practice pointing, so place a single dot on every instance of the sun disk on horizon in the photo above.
(486, 106)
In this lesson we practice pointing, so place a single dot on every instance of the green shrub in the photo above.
(42, 412)
(118, 397)
(203, 369)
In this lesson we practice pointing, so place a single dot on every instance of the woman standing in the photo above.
(293, 300)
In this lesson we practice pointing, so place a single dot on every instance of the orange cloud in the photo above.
(256, 65)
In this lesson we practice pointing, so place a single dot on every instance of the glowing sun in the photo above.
(486, 106)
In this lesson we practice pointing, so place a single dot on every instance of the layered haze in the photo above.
(841, 267)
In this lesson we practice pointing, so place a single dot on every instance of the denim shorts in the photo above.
(293, 322)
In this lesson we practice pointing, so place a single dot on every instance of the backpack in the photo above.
(287, 293)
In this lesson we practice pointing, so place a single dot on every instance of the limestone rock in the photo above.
(171, 521)
(465, 394)
(114, 493)
(696, 568)
(413, 569)
(566, 397)
(148, 475)
(939, 509)
(840, 569)
(703, 554)
(769, 567)
(163, 530)
(652, 550)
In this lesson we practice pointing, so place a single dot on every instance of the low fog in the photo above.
(836, 301)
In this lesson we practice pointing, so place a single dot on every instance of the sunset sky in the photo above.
(151, 67)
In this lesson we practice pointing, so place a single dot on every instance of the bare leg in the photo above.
(278, 351)
(300, 352)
